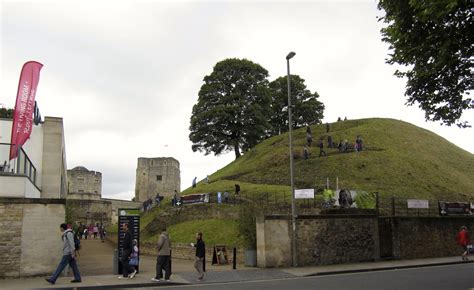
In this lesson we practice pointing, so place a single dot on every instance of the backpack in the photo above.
(77, 242)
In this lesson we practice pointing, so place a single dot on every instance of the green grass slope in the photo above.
(399, 159)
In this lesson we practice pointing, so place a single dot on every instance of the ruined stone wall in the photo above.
(84, 181)
(155, 175)
(89, 211)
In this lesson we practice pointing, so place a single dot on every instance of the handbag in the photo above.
(133, 261)
(470, 249)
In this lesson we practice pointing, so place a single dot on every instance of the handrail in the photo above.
(21, 166)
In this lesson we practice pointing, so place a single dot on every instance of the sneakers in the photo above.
(155, 279)
(76, 281)
(122, 277)
(50, 281)
(133, 274)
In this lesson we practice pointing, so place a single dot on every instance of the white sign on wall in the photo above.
(304, 193)
(418, 203)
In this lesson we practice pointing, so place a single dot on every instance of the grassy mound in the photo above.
(399, 159)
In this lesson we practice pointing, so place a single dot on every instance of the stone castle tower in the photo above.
(84, 184)
(156, 175)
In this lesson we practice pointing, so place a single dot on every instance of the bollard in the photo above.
(115, 262)
(234, 260)
(171, 255)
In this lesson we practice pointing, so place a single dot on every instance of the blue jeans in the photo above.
(67, 259)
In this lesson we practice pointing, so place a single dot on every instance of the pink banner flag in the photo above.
(24, 106)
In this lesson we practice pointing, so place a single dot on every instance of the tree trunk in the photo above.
(237, 151)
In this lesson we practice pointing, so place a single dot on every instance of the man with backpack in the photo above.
(69, 256)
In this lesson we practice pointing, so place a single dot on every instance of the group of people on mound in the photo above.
(342, 146)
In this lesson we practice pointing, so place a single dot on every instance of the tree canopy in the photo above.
(232, 109)
(6, 113)
(307, 109)
(433, 42)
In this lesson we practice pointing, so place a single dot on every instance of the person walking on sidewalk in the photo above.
(464, 241)
(69, 256)
(200, 255)
(164, 255)
(127, 246)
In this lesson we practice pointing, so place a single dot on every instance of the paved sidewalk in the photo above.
(96, 271)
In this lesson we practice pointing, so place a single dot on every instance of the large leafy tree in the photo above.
(6, 113)
(307, 110)
(433, 42)
(233, 108)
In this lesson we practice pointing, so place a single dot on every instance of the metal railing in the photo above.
(22, 165)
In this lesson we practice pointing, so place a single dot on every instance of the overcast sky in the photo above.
(125, 75)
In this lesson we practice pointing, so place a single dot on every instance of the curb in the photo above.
(123, 286)
(386, 268)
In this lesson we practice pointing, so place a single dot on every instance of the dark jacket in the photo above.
(127, 242)
(200, 249)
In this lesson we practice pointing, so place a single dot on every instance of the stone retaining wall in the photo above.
(320, 239)
(30, 241)
(423, 237)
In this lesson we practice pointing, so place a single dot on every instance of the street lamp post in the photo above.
(293, 208)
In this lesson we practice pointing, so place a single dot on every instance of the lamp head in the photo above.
(290, 55)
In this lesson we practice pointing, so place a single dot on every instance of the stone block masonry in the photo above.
(320, 240)
(11, 217)
(324, 240)
(155, 175)
(30, 241)
(423, 237)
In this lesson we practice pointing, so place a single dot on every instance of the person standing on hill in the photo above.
(305, 152)
(330, 141)
(309, 136)
(237, 189)
(200, 255)
(321, 148)
(69, 256)
(464, 240)
(194, 181)
(164, 256)
(358, 143)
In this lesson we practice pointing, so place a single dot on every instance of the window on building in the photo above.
(97, 181)
(81, 191)
(96, 192)
(159, 178)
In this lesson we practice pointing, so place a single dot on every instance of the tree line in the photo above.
(238, 107)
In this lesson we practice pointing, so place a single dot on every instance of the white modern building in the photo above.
(39, 171)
